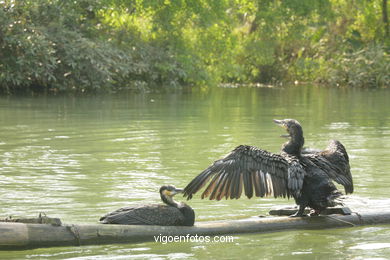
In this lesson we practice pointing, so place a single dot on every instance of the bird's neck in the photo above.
(169, 201)
(294, 145)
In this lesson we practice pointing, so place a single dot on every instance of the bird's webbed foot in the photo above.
(299, 213)
(314, 212)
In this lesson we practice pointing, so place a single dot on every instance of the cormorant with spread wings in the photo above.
(305, 176)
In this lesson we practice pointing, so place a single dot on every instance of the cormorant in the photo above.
(306, 176)
(172, 214)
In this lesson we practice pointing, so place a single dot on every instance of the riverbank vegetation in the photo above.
(109, 45)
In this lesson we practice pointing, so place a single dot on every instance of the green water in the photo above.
(79, 158)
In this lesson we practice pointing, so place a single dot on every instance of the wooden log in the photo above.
(288, 211)
(23, 236)
(39, 220)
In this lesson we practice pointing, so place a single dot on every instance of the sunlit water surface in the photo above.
(78, 158)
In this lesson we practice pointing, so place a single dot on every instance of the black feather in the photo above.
(305, 176)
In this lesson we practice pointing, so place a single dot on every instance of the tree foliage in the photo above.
(92, 45)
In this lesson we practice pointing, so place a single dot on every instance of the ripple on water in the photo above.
(371, 246)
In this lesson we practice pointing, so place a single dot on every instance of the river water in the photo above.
(78, 158)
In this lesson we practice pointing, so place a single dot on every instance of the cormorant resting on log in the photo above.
(171, 214)
(304, 176)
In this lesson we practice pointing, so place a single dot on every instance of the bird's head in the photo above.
(292, 127)
(294, 134)
(167, 192)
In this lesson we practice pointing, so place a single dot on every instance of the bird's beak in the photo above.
(176, 191)
(281, 123)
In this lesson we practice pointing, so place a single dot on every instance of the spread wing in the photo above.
(334, 161)
(257, 171)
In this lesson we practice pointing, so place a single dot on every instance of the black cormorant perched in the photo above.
(306, 176)
(172, 214)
